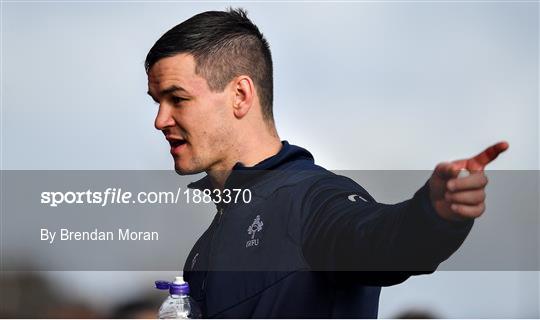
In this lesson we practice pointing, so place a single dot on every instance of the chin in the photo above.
(180, 172)
(184, 170)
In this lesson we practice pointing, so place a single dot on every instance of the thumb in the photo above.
(449, 170)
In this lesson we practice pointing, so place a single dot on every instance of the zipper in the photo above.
(212, 240)
(220, 212)
(204, 286)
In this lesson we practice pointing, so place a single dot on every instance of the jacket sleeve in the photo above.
(345, 229)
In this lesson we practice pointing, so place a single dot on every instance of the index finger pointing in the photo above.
(490, 154)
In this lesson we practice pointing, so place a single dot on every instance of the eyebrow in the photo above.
(167, 91)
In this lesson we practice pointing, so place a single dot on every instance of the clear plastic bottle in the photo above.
(178, 305)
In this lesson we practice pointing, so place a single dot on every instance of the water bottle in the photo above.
(178, 305)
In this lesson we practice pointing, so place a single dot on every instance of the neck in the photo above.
(249, 150)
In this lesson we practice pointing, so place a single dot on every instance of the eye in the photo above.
(177, 100)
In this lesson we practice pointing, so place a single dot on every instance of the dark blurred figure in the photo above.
(72, 311)
(138, 309)
(417, 314)
(25, 295)
(29, 295)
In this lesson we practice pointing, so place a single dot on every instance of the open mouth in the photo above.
(176, 144)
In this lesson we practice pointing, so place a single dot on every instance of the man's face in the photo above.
(193, 119)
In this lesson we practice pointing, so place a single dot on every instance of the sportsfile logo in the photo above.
(119, 196)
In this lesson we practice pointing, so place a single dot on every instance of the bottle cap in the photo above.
(163, 285)
(179, 289)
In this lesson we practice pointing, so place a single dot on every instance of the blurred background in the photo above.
(363, 86)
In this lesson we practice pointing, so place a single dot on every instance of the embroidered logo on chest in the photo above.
(252, 230)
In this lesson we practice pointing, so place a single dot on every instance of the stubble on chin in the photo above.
(194, 168)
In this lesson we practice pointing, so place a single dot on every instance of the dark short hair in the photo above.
(224, 44)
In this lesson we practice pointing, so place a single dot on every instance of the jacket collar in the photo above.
(242, 175)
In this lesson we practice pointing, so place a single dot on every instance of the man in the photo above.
(309, 243)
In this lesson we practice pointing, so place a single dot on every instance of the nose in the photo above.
(164, 118)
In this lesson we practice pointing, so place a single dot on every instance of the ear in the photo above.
(244, 94)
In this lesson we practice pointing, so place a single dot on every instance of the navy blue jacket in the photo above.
(311, 244)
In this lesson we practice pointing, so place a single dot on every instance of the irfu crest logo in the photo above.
(255, 227)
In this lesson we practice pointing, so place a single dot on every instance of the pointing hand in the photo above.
(460, 198)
